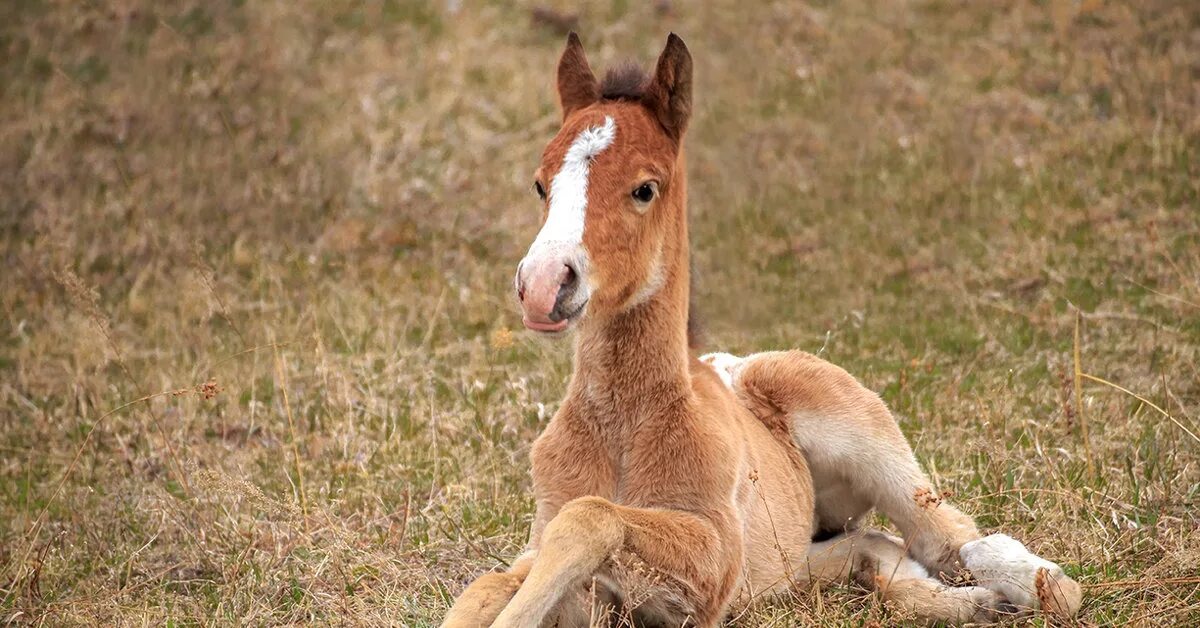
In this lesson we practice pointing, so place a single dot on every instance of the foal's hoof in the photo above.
(991, 607)
(1002, 564)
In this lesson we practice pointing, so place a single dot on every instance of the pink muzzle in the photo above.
(543, 283)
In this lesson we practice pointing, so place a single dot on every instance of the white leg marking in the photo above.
(1002, 564)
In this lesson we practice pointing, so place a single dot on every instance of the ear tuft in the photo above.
(577, 86)
(670, 93)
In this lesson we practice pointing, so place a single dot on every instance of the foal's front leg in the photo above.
(589, 530)
(483, 599)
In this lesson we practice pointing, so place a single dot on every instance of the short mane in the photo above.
(627, 81)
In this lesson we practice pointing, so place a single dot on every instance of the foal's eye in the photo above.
(644, 193)
(541, 191)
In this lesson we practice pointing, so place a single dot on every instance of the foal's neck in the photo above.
(636, 364)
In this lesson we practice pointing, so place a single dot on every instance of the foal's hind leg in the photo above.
(857, 455)
(878, 561)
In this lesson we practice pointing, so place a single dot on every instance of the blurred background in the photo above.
(259, 362)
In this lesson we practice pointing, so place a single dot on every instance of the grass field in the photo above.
(259, 362)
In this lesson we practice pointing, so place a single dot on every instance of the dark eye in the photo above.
(541, 191)
(644, 193)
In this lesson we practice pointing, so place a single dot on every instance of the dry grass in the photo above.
(258, 362)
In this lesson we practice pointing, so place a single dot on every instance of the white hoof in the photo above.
(1002, 564)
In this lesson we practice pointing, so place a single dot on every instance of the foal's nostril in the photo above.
(566, 290)
(570, 277)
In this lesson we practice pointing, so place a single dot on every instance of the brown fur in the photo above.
(654, 460)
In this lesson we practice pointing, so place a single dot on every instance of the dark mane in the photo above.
(625, 82)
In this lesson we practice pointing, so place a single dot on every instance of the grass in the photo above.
(259, 363)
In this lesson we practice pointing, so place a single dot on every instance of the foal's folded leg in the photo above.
(879, 562)
(590, 530)
(481, 602)
(847, 432)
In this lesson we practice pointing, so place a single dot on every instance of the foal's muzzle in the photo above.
(548, 287)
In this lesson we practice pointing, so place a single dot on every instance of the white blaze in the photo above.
(568, 190)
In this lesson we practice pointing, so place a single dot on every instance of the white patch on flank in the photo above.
(725, 364)
(568, 191)
(1002, 564)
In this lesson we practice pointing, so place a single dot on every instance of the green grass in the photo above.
(327, 200)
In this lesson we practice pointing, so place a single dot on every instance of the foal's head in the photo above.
(611, 185)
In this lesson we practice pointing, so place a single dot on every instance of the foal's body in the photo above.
(670, 487)
(675, 475)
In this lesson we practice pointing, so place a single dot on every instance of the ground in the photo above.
(259, 359)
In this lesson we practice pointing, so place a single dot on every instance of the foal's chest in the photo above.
(566, 465)
(641, 468)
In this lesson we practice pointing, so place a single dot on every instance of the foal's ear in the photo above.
(577, 87)
(669, 95)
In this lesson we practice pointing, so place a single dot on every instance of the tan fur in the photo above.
(677, 487)
(845, 431)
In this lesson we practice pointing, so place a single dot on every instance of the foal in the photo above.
(671, 487)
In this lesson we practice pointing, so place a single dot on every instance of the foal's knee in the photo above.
(590, 523)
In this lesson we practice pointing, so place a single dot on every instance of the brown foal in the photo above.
(670, 488)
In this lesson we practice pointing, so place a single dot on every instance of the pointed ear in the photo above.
(670, 93)
(577, 85)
